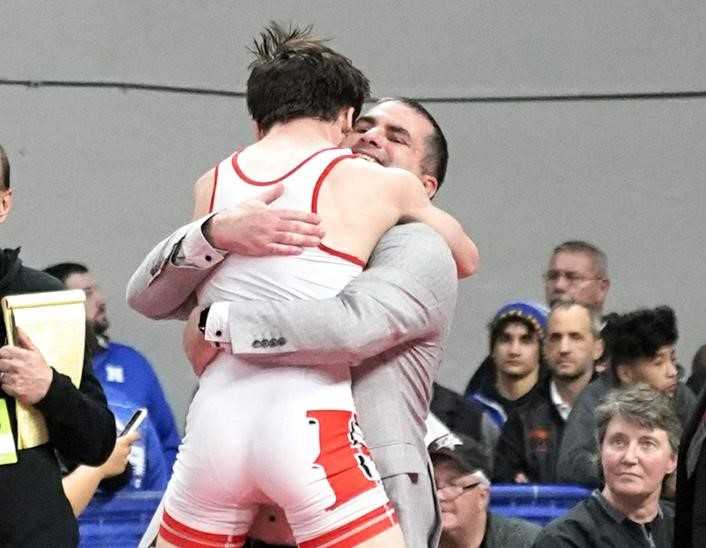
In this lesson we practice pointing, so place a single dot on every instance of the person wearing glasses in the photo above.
(577, 272)
(463, 491)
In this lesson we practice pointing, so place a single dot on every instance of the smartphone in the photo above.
(135, 421)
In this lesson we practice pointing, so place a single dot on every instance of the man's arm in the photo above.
(407, 292)
(578, 452)
(163, 285)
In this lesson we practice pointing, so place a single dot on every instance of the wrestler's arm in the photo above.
(415, 205)
(407, 293)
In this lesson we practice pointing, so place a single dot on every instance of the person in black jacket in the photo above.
(33, 508)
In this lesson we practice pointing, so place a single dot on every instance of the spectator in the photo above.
(638, 435)
(516, 331)
(528, 448)
(33, 507)
(463, 490)
(698, 371)
(81, 484)
(641, 348)
(121, 366)
(578, 272)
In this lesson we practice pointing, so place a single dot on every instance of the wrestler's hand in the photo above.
(24, 374)
(199, 352)
(257, 230)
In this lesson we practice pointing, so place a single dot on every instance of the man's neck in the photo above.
(569, 389)
(513, 388)
(640, 509)
(470, 536)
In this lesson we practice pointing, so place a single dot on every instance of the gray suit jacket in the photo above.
(390, 323)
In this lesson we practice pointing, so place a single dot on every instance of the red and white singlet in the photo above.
(258, 433)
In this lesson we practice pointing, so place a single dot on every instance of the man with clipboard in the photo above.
(34, 509)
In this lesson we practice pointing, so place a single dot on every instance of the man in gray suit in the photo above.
(393, 318)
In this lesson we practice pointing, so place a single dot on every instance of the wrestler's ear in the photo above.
(345, 118)
(431, 185)
(5, 204)
(259, 134)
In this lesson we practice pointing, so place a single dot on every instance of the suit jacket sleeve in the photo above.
(405, 293)
(160, 288)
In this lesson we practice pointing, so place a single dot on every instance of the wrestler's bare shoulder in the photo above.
(365, 171)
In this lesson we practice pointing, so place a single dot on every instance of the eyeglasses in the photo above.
(572, 278)
(453, 491)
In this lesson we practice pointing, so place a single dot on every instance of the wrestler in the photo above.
(288, 434)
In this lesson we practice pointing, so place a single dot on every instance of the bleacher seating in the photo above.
(537, 503)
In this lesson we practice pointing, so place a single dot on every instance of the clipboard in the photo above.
(56, 323)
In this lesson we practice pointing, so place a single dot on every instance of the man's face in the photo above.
(96, 309)
(573, 276)
(570, 347)
(659, 372)
(516, 350)
(635, 459)
(461, 509)
(393, 135)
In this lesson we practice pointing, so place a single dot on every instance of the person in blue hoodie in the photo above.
(118, 365)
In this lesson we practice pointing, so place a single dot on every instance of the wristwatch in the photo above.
(203, 318)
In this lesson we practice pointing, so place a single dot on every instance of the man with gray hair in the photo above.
(638, 435)
(463, 490)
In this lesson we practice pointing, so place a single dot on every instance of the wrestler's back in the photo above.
(317, 273)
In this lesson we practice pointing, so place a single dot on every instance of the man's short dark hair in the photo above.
(436, 158)
(4, 170)
(600, 262)
(641, 405)
(295, 76)
(61, 271)
(639, 334)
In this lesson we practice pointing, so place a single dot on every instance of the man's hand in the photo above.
(24, 374)
(256, 230)
(199, 352)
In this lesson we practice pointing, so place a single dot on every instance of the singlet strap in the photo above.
(245, 178)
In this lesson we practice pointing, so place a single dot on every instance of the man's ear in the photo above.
(624, 373)
(431, 185)
(598, 348)
(5, 204)
(672, 466)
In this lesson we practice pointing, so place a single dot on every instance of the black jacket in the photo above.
(530, 439)
(690, 520)
(33, 508)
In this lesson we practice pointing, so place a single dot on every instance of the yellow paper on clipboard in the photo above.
(56, 323)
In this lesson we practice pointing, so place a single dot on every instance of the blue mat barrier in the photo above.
(117, 521)
(120, 520)
(536, 503)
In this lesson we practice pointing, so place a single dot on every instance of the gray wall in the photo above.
(101, 175)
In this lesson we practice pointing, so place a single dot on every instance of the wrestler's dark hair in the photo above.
(638, 335)
(600, 262)
(4, 170)
(61, 271)
(436, 158)
(295, 76)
